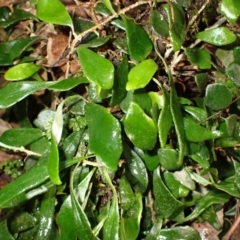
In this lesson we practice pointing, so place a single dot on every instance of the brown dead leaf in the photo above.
(206, 231)
(57, 43)
(4, 126)
(5, 156)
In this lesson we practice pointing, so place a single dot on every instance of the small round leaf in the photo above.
(218, 96)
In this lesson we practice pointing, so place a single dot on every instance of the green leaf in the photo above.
(159, 24)
(21, 71)
(140, 75)
(139, 43)
(16, 16)
(186, 233)
(73, 221)
(4, 232)
(22, 188)
(212, 197)
(14, 92)
(47, 209)
(201, 81)
(137, 174)
(104, 135)
(130, 223)
(230, 9)
(217, 36)
(46, 11)
(169, 158)
(140, 128)
(177, 25)
(121, 77)
(196, 133)
(96, 42)
(96, 68)
(111, 225)
(218, 96)
(10, 51)
(165, 119)
(19, 137)
(198, 113)
(165, 203)
(199, 57)
(233, 72)
(53, 162)
(108, 5)
(177, 120)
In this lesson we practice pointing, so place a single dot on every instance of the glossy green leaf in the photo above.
(139, 43)
(66, 84)
(177, 25)
(218, 96)
(230, 9)
(201, 81)
(178, 121)
(212, 197)
(186, 233)
(217, 36)
(169, 158)
(22, 188)
(14, 92)
(198, 113)
(165, 203)
(211, 217)
(21, 71)
(199, 57)
(4, 232)
(130, 223)
(53, 162)
(104, 135)
(165, 119)
(126, 194)
(196, 133)
(20, 136)
(175, 187)
(140, 128)
(21, 221)
(236, 54)
(47, 210)
(137, 174)
(46, 11)
(108, 4)
(233, 72)
(96, 42)
(73, 222)
(121, 77)
(10, 51)
(159, 24)
(184, 178)
(111, 225)
(16, 16)
(96, 68)
(140, 75)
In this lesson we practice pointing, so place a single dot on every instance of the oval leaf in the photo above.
(53, 12)
(140, 128)
(233, 72)
(140, 75)
(230, 9)
(104, 135)
(217, 36)
(218, 96)
(199, 57)
(139, 43)
(96, 68)
(21, 71)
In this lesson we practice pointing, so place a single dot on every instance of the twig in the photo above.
(79, 37)
(232, 229)
(19, 149)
